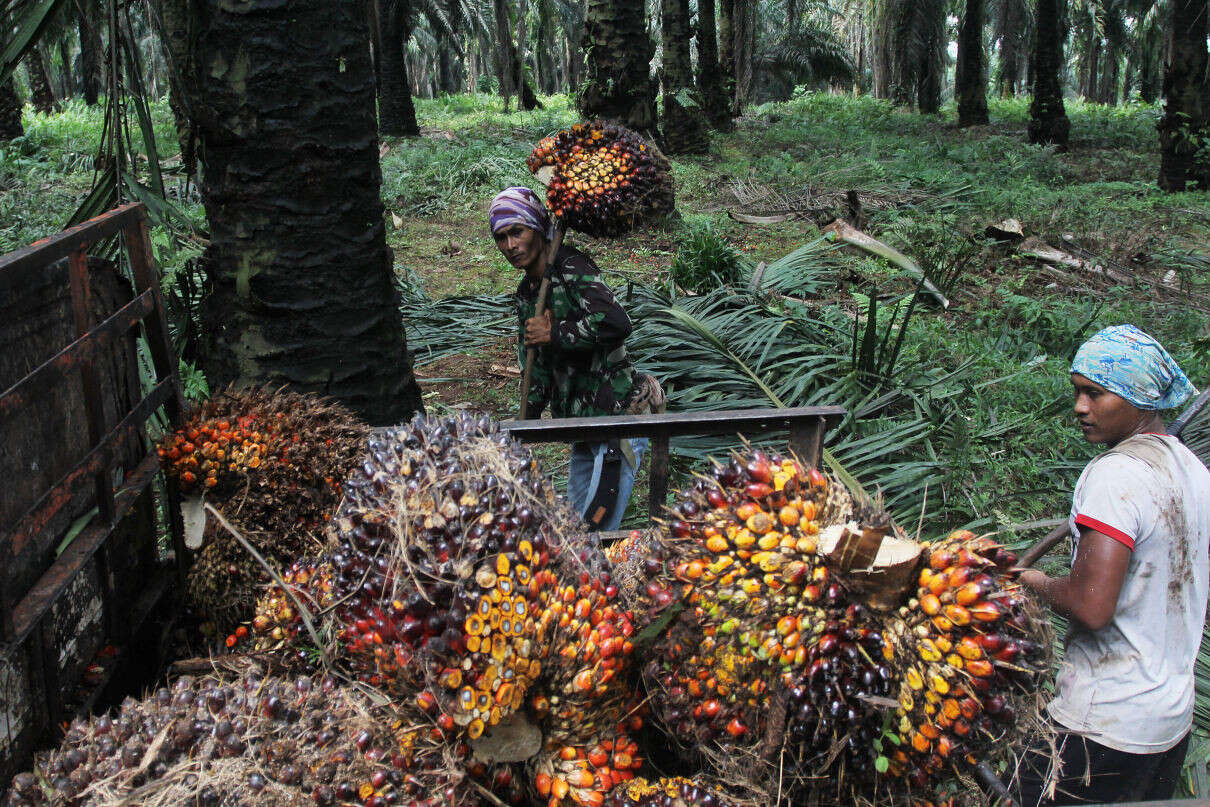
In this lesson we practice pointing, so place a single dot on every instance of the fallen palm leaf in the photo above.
(841, 230)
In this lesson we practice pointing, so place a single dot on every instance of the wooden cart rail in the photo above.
(806, 424)
(24, 614)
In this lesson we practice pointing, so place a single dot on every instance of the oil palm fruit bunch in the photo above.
(975, 649)
(675, 791)
(273, 462)
(605, 178)
(857, 658)
(437, 576)
(248, 742)
(742, 546)
(588, 705)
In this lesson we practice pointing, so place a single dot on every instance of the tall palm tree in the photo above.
(710, 88)
(617, 58)
(92, 50)
(41, 95)
(684, 123)
(1011, 25)
(1048, 121)
(726, 50)
(10, 111)
(302, 280)
(396, 110)
(1185, 127)
(909, 52)
(970, 83)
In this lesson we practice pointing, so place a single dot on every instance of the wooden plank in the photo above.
(143, 607)
(58, 577)
(33, 523)
(81, 304)
(659, 476)
(673, 424)
(86, 348)
(142, 267)
(56, 247)
(806, 439)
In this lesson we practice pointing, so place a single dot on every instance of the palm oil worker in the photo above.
(581, 366)
(1136, 595)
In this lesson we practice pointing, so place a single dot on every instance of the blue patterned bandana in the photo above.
(1129, 363)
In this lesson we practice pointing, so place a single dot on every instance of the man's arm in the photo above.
(1089, 594)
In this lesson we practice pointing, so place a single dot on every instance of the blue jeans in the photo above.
(585, 474)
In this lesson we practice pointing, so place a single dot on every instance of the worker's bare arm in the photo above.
(1089, 594)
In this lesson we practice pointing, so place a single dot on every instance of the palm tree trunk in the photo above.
(617, 58)
(684, 126)
(743, 43)
(69, 82)
(726, 50)
(41, 95)
(10, 111)
(448, 77)
(1093, 58)
(505, 51)
(1185, 127)
(282, 94)
(971, 80)
(1149, 74)
(709, 78)
(1048, 121)
(396, 110)
(1012, 25)
(91, 50)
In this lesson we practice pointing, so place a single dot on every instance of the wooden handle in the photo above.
(539, 309)
(1042, 547)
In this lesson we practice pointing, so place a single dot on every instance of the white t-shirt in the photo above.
(1129, 685)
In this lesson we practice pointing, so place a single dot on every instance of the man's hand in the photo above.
(1089, 594)
(537, 329)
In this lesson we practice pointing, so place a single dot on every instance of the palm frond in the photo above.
(810, 53)
(31, 19)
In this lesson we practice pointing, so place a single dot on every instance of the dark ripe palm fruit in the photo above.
(676, 791)
(244, 742)
(833, 719)
(273, 463)
(606, 179)
(973, 649)
(438, 572)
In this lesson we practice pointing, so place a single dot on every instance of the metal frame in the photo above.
(24, 614)
(806, 424)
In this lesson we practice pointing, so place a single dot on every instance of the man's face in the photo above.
(1104, 417)
(520, 245)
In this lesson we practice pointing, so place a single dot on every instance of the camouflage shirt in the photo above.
(584, 371)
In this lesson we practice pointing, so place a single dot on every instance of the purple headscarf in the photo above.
(520, 206)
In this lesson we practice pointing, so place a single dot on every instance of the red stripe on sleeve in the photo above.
(1105, 529)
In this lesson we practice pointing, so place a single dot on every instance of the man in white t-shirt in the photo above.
(1136, 594)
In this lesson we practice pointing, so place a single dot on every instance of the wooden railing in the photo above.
(27, 613)
(806, 425)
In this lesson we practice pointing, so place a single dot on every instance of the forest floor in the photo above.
(926, 187)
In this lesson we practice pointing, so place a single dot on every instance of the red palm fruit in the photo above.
(986, 611)
(980, 668)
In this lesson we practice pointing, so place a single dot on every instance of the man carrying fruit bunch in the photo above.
(581, 366)
(1136, 594)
